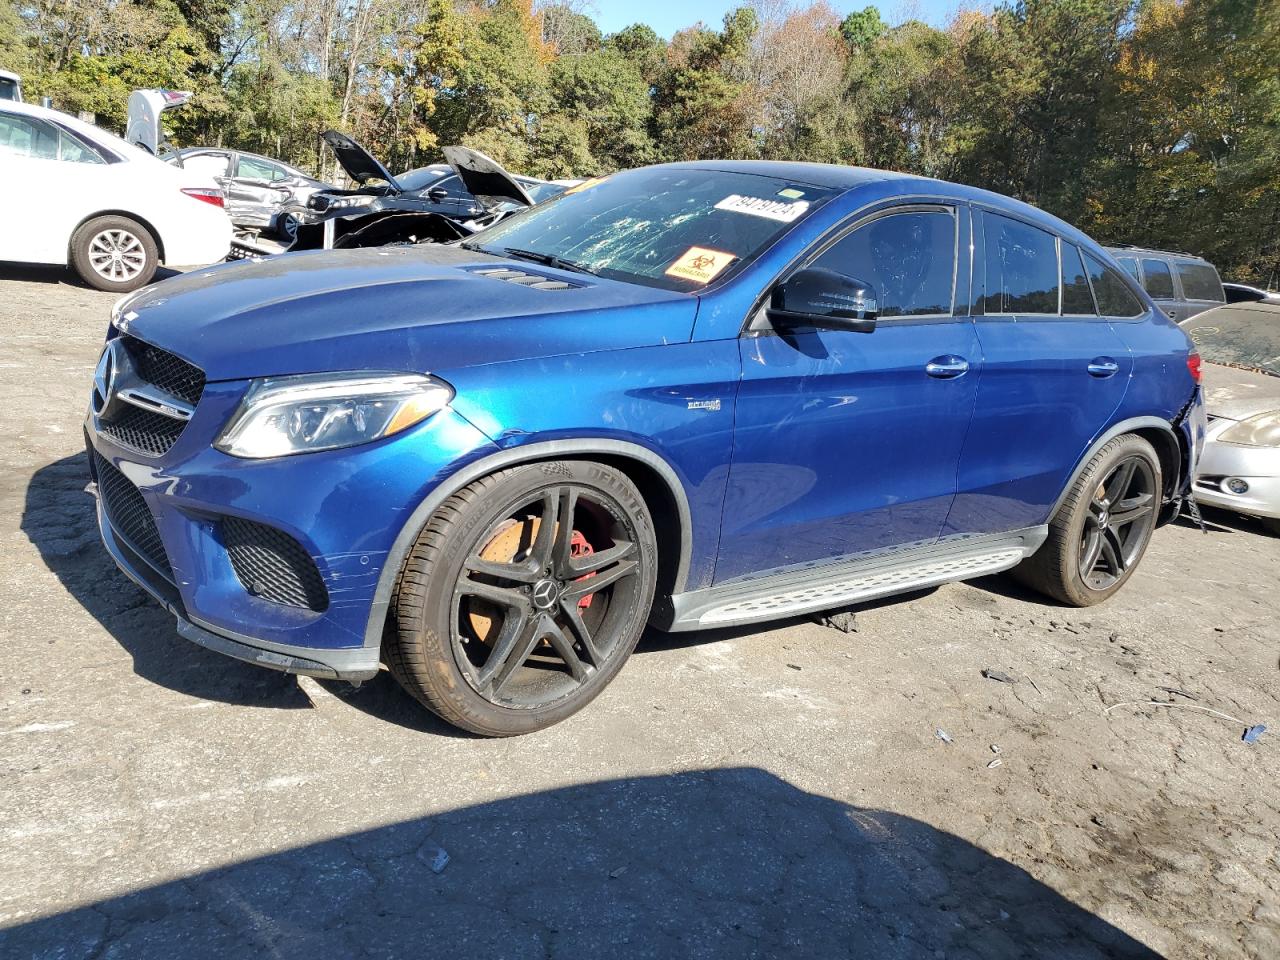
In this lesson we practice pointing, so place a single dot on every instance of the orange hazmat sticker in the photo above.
(700, 264)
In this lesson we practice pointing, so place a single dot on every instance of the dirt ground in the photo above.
(753, 793)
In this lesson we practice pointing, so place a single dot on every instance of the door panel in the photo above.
(1049, 385)
(845, 443)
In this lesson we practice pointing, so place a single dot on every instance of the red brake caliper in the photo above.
(578, 547)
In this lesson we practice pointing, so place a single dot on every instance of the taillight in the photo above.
(207, 194)
(1193, 365)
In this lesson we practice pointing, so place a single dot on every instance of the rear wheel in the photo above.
(523, 596)
(114, 253)
(1101, 531)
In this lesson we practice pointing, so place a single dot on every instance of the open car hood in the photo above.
(485, 178)
(357, 161)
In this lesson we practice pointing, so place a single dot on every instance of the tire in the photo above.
(114, 253)
(1088, 526)
(503, 630)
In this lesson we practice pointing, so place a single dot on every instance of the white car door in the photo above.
(48, 182)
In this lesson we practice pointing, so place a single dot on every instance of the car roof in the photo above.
(7, 75)
(1126, 250)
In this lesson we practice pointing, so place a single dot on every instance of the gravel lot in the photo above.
(751, 793)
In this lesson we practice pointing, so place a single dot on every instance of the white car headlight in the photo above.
(1262, 430)
(280, 416)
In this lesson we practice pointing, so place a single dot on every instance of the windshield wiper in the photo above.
(546, 259)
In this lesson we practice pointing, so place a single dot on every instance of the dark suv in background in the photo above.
(1181, 284)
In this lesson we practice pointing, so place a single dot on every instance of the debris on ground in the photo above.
(1252, 734)
(794, 666)
(994, 763)
(995, 748)
(615, 874)
(998, 675)
(845, 621)
(1179, 693)
(943, 735)
(437, 858)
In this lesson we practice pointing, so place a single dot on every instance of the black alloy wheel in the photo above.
(524, 595)
(1102, 527)
(1116, 527)
(538, 602)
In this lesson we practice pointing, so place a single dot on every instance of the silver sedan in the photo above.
(1240, 468)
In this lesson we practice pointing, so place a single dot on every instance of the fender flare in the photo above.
(1124, 426)
(510, 457)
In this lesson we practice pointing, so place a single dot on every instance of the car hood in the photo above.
(485, 178)
(357, 161)
(1235, 394)
(424, 308)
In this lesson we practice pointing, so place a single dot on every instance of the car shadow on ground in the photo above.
(707, 863)
(52, 274)
(59, 519)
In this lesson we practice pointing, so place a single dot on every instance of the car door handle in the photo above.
(947, 368)
(1103, 367)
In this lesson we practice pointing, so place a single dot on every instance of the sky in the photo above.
(668, 16)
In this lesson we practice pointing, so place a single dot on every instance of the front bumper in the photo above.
(1259, 467)
(344, 508)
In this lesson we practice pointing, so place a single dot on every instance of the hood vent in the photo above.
(534, 280)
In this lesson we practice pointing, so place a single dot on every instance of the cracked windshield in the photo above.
(675, 228)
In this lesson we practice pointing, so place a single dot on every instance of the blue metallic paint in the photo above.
(788, 449)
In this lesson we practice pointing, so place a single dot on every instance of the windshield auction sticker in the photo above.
(760, 207)
(700, 264)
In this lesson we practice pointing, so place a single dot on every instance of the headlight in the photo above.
(1262, 430)
(280, 416)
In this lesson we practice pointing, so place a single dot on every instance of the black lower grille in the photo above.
(144, 431)
(272, 565)
(129, 515)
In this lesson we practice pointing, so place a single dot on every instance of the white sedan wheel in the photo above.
(117, 256)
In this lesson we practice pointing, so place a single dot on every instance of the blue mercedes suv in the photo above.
(690, 396)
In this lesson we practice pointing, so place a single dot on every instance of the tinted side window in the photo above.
(1022, 267)
(1157, 280)
(256, 169)
(1200, 282)
(1077, 298)
(910, 259)
(1114, 297)
(209, 164)
(24, 137)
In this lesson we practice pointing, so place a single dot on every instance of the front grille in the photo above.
(144, 431)
(165, 370)
(129, 515)
(272, 565)
(148, 431)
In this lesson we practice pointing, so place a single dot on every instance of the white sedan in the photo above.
(72, 193)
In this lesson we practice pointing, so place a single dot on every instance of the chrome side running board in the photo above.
(845, 582)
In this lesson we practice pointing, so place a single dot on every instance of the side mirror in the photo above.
(437, 194)
(814, 297)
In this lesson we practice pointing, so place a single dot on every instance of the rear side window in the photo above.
(1200, 282)
(207, 164)
(1022, 267)
(910, 258)
(1077, 298)
(1157, 280)
(1114, 297)
(1130, 266)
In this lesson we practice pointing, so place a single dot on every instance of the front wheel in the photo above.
(523, 596)
(114, 253)
(1099, 534)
